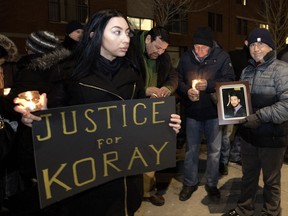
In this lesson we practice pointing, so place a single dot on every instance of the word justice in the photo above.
(139, 115)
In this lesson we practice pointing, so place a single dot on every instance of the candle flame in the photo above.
(31, 100)
(28, 95)
(7, 91)
(194, 82)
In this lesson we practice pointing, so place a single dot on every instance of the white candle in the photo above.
(194, 83)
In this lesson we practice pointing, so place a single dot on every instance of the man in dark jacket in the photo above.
(207, 64)
(264, 134)
(161, 80)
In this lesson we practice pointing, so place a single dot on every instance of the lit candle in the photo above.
(194, 83)
(31, 100)
(7, 91)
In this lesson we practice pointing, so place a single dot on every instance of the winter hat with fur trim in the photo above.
(8, 49)
(261, 35)
(42, 42)
(72, 26)
(203, 36)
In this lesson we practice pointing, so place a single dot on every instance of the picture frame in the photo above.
(234, 101)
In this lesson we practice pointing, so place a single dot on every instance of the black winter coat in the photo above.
(109, 199)
(216, 67)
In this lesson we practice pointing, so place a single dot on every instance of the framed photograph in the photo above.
(234, 101)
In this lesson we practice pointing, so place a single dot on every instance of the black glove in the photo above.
(252, 121)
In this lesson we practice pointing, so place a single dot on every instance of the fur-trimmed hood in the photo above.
(10, 47)
(46, 61)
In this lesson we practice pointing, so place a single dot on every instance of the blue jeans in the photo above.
(194, 133)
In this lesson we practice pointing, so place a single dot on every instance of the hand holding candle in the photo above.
(31, 101)
(26, 104)
(193, 92)
(201, 85)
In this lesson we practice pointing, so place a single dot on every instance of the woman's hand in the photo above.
(27, 116)
(175, 123)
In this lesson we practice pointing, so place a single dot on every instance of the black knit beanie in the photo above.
(261, 35)
(72, 26)
(203, 36)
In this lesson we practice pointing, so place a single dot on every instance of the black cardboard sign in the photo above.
(80, 147)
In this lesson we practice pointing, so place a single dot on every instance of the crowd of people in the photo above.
(107, 60)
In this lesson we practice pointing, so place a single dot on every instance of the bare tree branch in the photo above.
(165, 10)
(275, 12)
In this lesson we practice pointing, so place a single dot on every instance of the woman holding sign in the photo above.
(99, 71)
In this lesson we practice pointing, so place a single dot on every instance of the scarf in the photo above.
(109, 68)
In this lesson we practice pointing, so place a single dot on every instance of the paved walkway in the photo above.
(199, 204)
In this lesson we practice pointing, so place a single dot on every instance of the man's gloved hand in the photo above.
(252, 121)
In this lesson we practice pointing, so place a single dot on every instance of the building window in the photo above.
(215, 22)
(67, 10)
(261, 25)
(178, 23)
(242, 26)
(242, 2)
(141, 24)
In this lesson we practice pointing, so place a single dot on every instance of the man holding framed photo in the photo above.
(263, 134)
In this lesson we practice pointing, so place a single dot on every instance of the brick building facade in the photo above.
(232, 19)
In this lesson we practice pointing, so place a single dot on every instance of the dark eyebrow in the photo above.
(118, 27)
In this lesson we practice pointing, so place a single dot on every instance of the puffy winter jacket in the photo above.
(268, 83)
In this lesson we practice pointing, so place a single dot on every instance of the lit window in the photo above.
(264, 26)
(141, 24)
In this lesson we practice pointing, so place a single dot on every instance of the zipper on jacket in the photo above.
(101, 89)
(134, 89)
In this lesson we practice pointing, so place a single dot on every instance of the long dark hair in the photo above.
(87, 52)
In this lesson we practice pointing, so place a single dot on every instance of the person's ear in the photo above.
(91, 34)
(148, 39)
(246, 43)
